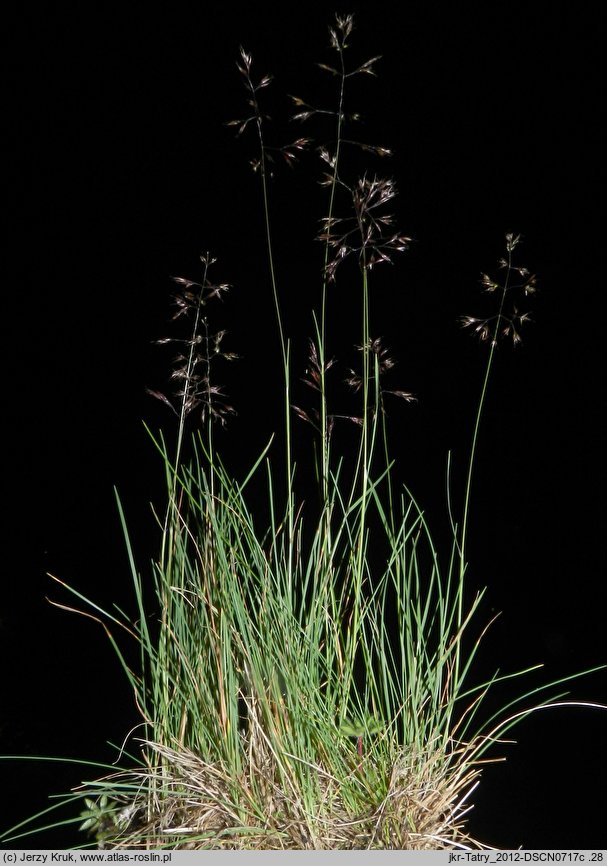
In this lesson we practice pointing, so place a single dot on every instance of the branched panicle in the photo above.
(366, 231)
(289, 152)
(367, 234)
(198, 351)
(315, 370)
(383, 363)
(365, 195)
(508, 321)
(314, 378)
(338, 41)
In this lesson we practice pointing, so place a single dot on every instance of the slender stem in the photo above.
(480, 409)
(322, 335)
(473, 449)
(284, 343)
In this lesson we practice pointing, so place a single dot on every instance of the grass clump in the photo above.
(304, 685)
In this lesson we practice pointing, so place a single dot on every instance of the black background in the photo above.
(121, 171)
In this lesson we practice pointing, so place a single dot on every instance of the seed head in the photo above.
(508, 321)
(198, 351)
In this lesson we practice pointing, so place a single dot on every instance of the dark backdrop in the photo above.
(121, 171)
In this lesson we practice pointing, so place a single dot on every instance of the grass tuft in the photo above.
(306, 684)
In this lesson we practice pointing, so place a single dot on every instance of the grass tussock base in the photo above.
(417, 804)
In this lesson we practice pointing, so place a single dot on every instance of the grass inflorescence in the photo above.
(303, 686)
